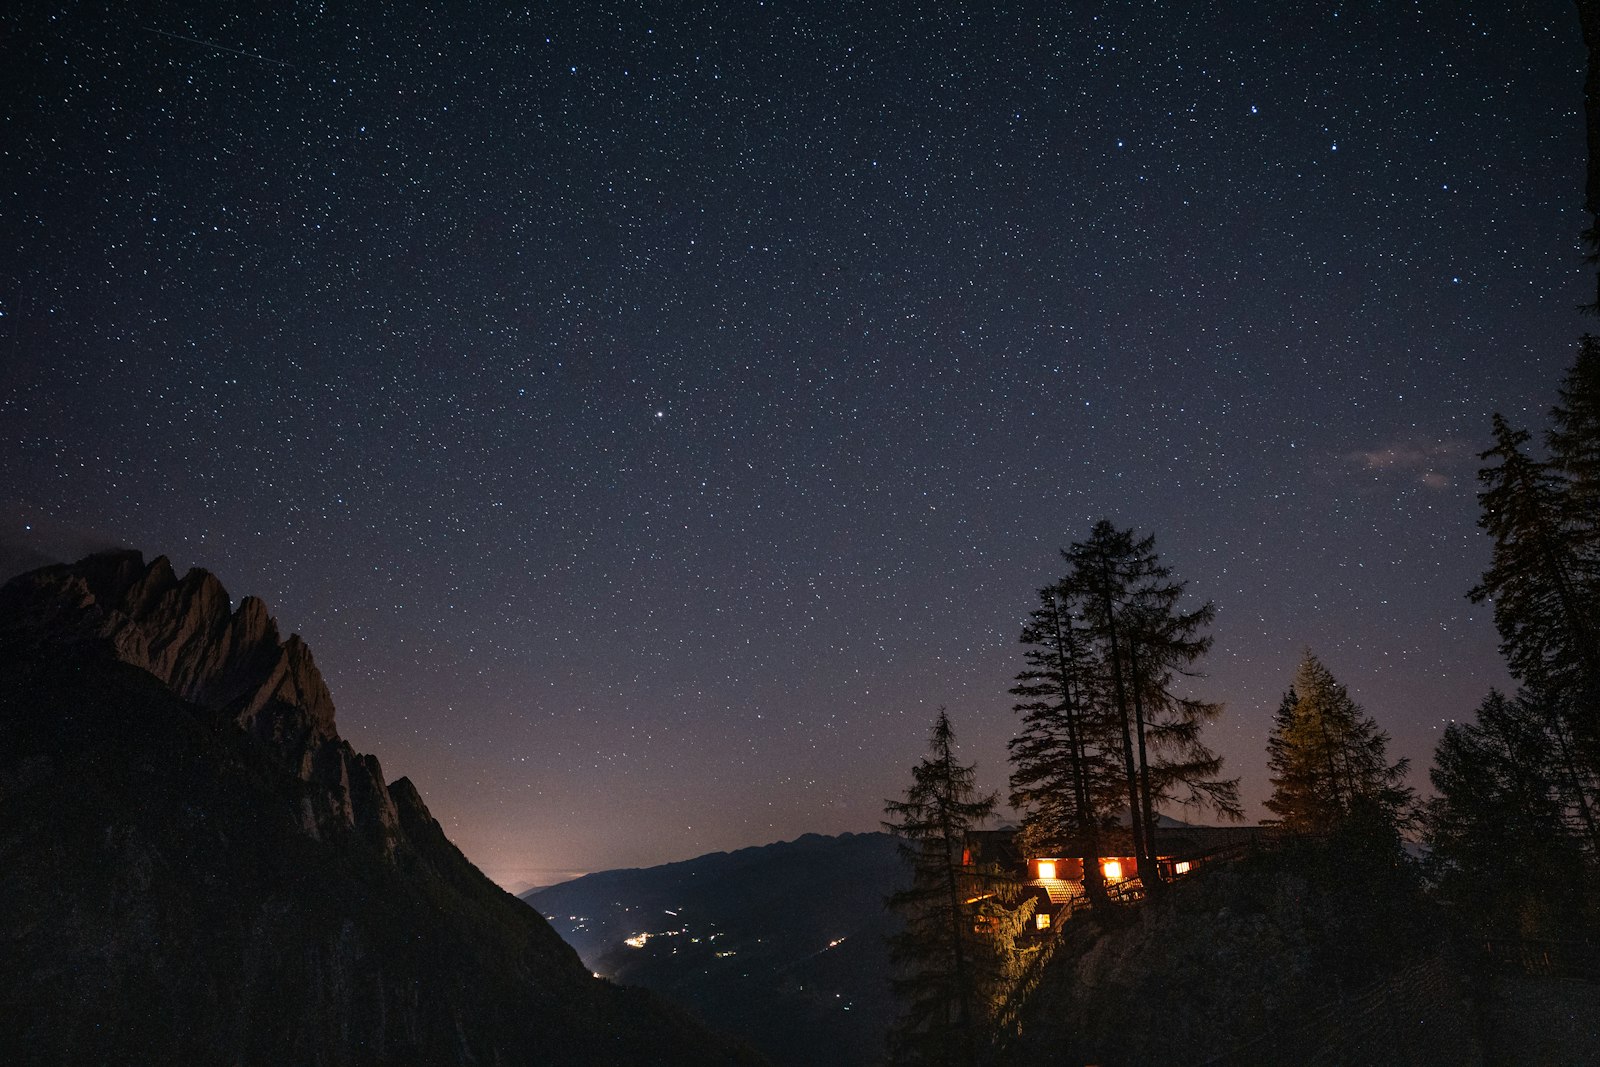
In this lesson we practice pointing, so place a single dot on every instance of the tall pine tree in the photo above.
(1537, 578)
(1329, 760)
(1574, 436)
(1503, 827)
(1542, 577)
(954, 957)
(1544, 580)
(1130, 605)
(1574, 441)
(1105, 728)
(1064, 760)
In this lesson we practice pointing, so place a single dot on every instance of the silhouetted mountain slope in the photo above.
(216, 877)
(782, 944)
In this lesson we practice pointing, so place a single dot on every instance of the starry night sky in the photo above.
(650, 414)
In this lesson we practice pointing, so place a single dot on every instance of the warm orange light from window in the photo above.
(1047, 868)
(1182, 868)
(1041, 921)
(1113, 869)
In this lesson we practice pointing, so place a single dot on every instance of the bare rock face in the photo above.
(195, 868)
(180, 630)
(184, 631)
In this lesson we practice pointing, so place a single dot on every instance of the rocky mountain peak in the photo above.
(225, 659)
(182, 630)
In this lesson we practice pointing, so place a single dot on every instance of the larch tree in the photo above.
(1065, 758)
(1132, 605)
(1542, 578)
(1517, 788)
(1304, 792)
(1503, 826)
(1113, 672)
(1329, 760)
(1537, 578)
(1574, 443)
(1574, 438)
(953, 958)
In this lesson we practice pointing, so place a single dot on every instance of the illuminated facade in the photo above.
(1055, 878)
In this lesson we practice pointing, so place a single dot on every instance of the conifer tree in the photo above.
(1064, 770)
(1104, 569)
(1105, 729)
(1305, 792)
(1542, 574)
(1536, 577)
(1131, 606)
(1504, 825)
(954, 955)
(1574, 439)
(1329, 760)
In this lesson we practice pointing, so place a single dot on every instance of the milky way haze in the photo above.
(650, 415)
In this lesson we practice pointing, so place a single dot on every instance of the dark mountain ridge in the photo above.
(197, 868)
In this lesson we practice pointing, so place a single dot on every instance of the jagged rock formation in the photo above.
(196, 867)
(183, 631)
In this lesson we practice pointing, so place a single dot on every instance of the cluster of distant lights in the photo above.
(640, 940)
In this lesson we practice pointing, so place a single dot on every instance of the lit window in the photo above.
(1041, 921)
(1113, 869)
(1047, 868)
(1182, 868)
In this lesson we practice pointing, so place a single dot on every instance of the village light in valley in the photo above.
(1047, 868)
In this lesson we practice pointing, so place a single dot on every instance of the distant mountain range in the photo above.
(195, 868)
(782, 945)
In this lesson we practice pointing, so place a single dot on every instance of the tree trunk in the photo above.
(1120, 692)
(963, 1021)
(1569, 765)
(1088, 832)
(1149, 858)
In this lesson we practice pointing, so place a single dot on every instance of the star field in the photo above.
(650, 414)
